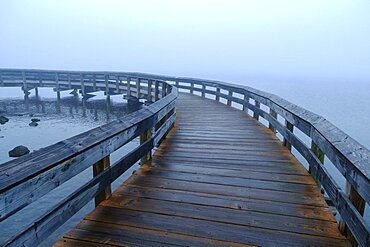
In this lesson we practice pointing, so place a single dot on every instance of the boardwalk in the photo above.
(220, 178)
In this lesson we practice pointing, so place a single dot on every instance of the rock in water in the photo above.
(35, 120)
(33, 124)
(18, 151)
(3, 120)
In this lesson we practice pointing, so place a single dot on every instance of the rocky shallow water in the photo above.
(56, 121)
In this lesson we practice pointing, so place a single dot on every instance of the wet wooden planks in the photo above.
(219, 179)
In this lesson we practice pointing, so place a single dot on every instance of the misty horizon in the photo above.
(234, 41)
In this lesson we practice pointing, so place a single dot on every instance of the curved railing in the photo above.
(350, 158)
(26, 179)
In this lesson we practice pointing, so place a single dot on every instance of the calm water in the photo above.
(343, 103)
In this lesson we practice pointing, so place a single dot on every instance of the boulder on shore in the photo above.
(3, 120)
(33, 124)
(35, 120)
(19, 151)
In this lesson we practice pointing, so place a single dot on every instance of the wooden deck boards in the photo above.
(218, 179)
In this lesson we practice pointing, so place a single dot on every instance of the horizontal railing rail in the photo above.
(131, 84)
(28, 178)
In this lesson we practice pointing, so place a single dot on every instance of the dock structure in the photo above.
(217, 170)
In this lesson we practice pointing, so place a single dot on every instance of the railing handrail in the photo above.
(26, 179)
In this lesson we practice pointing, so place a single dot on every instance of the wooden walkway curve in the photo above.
(219, 178)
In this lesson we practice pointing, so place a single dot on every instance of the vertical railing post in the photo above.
(290, 127)
(128, 87)
(229, 98)
(164, 86)
(40, 79)
(359, 203)
(58, 92)
(168, 89)
(106, 79)
(191, 87)
(149, 96)
(25, 87)
(273, 114)
(117, 84)
(218, 91)
(138, 88)
(99, 167)
(143, 138)
(1, 79)
(156, 90)
(246, 101)
(255, 113)
(82, 84)
(203, 90)
(94, 83)
(69, 81)
(25, 90)
(321, 156)
(57, 82)
(177, 83)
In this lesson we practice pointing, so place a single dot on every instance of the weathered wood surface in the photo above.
(218, 179)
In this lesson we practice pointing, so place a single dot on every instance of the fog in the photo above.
(230, 40)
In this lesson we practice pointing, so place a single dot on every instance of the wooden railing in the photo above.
(26, 179)
(350, 158)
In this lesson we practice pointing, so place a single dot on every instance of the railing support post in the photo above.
(273, 115)
(138, 88)
(359, 203)
(69, 81)
(82, 84)
(255, 113)
(218, 91)
(246, 100)
(321, 156)
(99, 167)
(25, 86)
(163, 93)
(1, 79)
(40, 79)
(149, 97)
(203, 90)
(228, 98)
(168, 90)
(57, 82)
(143, 138)
(191, 87)
(156, 90)
(290, 127)
(118, 81)
(106, 79)
(128, 86)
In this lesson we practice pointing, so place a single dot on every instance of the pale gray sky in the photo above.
(218, 39)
